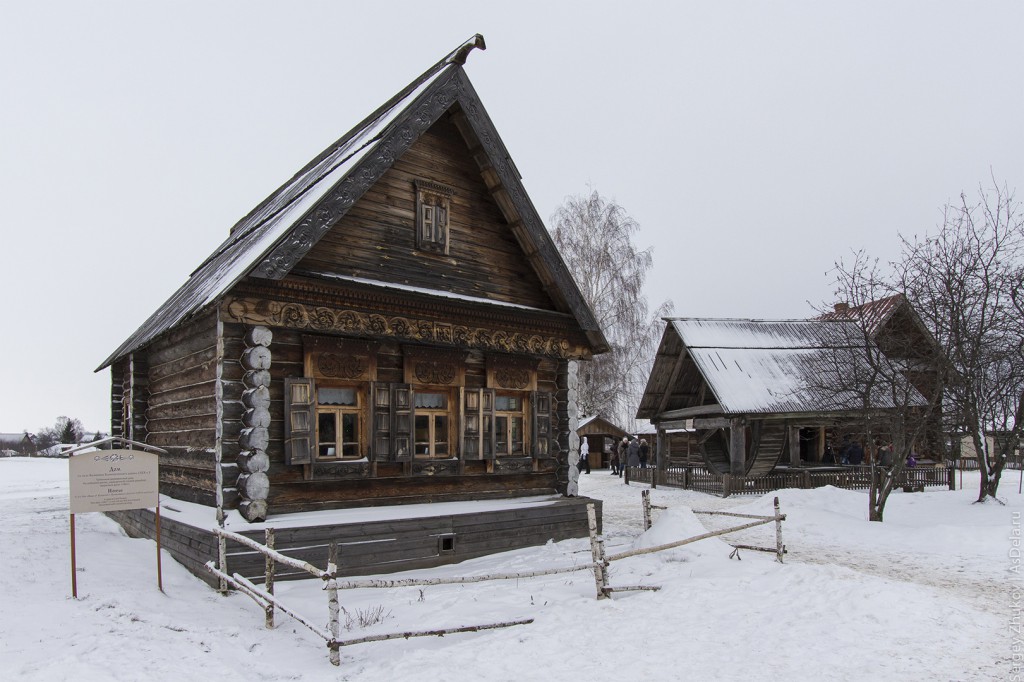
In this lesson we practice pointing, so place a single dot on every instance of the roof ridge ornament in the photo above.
(459, 54)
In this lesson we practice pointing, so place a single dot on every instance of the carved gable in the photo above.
(383, 236)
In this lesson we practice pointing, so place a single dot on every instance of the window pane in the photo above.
(432, 401)
(336, 396)
(349, 428)
(422, 428)
(501, 437)
(440, 435)
(508, 403)
(350, 449)
(327, 433)
(517, 435)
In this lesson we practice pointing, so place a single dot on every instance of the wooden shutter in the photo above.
(401, 422)
(471, 423)
(380, 421)
(540, 402)
(300, 420)
(487, 435)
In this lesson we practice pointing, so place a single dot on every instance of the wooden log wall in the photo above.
(181, 411)
(253, 484)
(331, 486)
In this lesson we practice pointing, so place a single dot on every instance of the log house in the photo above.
(392, 326)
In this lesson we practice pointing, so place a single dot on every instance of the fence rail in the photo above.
(700, 479)
(599, 564)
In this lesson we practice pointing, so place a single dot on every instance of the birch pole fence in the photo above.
(599, 564)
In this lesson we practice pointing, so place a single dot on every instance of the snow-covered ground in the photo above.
(931, 594)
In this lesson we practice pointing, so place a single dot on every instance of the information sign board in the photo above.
(113, 480)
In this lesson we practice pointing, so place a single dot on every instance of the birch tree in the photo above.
(595, 238)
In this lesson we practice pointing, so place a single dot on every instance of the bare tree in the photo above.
(889, 376)
(595, 238)
(966, 282)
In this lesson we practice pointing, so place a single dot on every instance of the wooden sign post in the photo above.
(113, 480)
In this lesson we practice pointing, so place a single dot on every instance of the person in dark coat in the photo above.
(645, 453)
(856, 453)
(622, 452)
(633, 453)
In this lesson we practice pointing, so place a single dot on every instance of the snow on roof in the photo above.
(252, 239)
(777, 366)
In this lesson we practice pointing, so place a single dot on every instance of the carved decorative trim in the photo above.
(518, 379)
(297, 316)
(336, 203)
(513, 465)
(428, 372)
(513, 373)
(336, 366)
(435, 467)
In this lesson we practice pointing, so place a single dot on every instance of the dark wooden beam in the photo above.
(737, 447)
(676, 368)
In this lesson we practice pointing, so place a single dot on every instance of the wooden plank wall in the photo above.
(377, 237)
(372, 547)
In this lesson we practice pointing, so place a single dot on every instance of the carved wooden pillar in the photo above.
(253, 483)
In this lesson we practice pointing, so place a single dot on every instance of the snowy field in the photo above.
(931, 594)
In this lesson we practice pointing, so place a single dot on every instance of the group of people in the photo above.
(632, 452)
(852, 453)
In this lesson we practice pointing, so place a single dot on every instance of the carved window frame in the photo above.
(433, 216)
(333, 362)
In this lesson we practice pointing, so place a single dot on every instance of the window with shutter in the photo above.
(433, 204)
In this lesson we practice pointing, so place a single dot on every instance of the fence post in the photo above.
(222, 557)
(726, 480)
(686, 478)
(805, 479)
(269, 580)
(779, 549)
(597, 555)
(645, 496)
(625, 474)
(333, 609)
(951, 477)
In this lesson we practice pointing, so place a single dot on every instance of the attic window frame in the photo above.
(434, 200)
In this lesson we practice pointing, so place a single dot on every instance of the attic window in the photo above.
(433, 205)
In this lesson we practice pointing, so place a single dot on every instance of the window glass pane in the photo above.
(422, 436)
(350, 449)
(433, 401)
(517, 435)
(508, 403)
(336, 396)
(327, 433)
(349, 427)
(501, 437)
(440, 435)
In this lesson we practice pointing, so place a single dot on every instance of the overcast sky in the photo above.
(755, 143)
